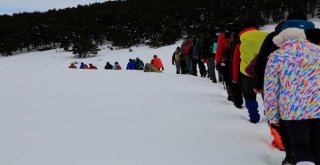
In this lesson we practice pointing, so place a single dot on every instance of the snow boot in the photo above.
(252, 106)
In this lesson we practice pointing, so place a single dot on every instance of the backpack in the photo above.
(214, 47)
(185, 47)
(177, 56)
(228, 50)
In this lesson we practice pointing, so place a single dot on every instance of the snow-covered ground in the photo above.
(52, 115)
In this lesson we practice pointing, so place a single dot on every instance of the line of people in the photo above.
(155, 65)
(82, 66)
(284, 67)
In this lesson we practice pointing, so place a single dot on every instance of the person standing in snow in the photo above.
(157, 63)
(295, 19)
(176, 60)
(291, 88)
(251, 41)
(209, 52)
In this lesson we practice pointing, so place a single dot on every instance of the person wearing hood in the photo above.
(251, 40)
(291, 88)
(257, 67)
(117, 66)
(131, 65)
(108, 66)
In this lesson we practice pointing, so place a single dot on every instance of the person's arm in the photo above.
(236, 64)
(272, 89)
(173, 58)
(262, 58)
(161, 64)
(220, 48)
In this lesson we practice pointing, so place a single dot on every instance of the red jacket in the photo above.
(221, 47)
(236, 63)
(157, 63)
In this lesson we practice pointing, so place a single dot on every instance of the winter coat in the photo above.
(208, 46)
(292, 82)
(223, 43)
(108, 66)
(131, 65)
(72, 66)
(251, 41)
(268, 47)
(117, 67)
(92, 67)
(176, 57)
(139, 65)
(157, 63)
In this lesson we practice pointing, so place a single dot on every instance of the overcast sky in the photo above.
(14, 6)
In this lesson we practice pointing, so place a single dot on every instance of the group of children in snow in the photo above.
(155, 65)
(283, 66)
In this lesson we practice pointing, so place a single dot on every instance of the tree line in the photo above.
(125, 23)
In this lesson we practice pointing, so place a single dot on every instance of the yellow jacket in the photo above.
(251, 41)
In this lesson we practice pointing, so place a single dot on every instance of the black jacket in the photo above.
(266, 49)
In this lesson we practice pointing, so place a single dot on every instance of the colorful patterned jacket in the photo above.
(292, 82)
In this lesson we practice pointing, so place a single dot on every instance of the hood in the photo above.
(289, 33)
(300, 51)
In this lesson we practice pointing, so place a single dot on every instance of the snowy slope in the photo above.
(51, 115)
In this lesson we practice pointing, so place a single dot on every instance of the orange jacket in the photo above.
(157, 63)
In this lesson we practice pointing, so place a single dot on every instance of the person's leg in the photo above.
(194, 68)
(299, 134)
(177, 68)
(211, 69)
(282, 130)
(189, 64)
(250, 98)
(315, 140)
(237, 95)
(202, 68)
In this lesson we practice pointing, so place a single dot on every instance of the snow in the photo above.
(52, 115)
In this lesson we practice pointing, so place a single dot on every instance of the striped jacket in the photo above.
(292, 82)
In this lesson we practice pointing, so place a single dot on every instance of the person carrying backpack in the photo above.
(251, 41)
(223, 55)
(296, 19)
(187, 52)
(196, 59)
(291, 90)
(176, 60)
(209, 52)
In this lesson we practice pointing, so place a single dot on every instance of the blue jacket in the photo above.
(130, 65)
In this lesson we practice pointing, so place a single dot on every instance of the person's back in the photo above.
(92, 67)
(108, 66)
(72, 66)
(251, 41)
(131, 65)
(297, 20)
(157, 63)
(292, 91)
(81, 65)
(117, 66)
(139, 65)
